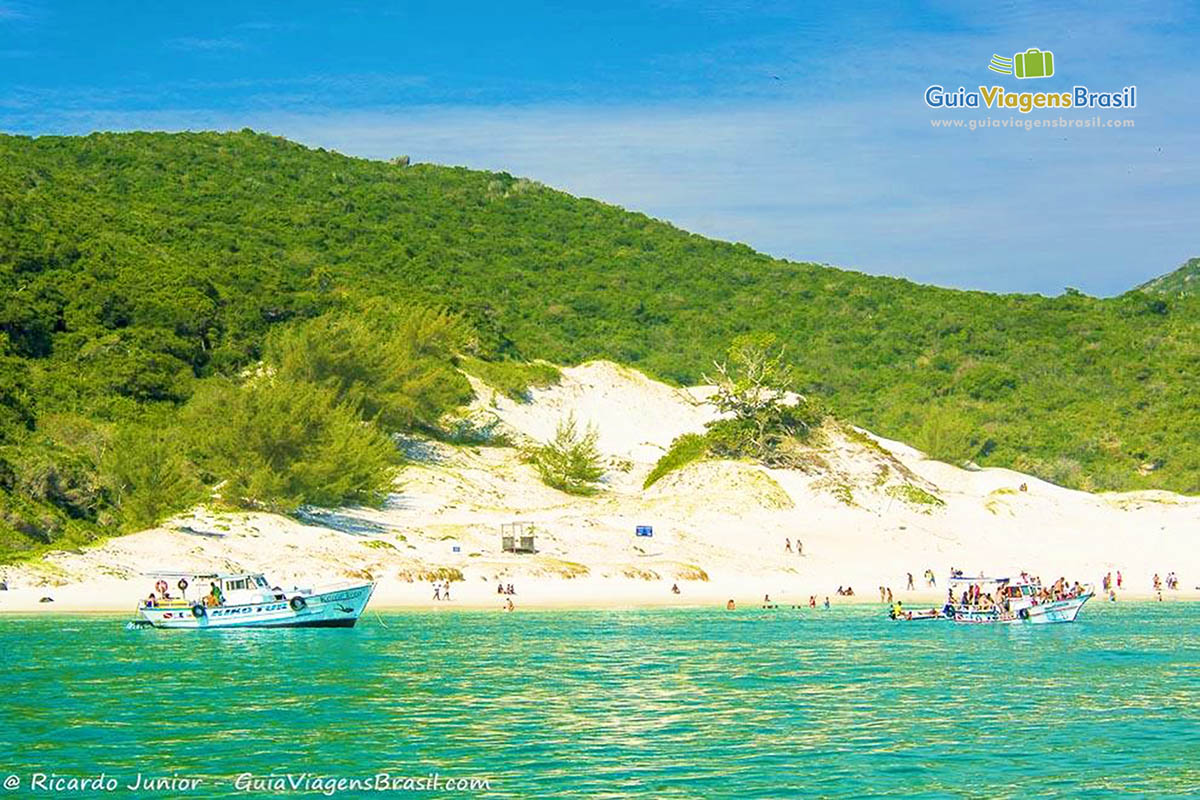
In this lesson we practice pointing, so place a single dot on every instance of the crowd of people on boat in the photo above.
(975, 598)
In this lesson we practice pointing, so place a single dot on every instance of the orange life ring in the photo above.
(161, 587)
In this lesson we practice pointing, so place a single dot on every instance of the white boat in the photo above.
(246, 600)
(1020, 600)
(921, 615)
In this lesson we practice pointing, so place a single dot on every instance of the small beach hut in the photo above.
(517, 537)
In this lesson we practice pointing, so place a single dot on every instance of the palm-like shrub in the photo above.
(571, 461)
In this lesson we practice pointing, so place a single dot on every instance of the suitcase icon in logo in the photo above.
(1034, 63)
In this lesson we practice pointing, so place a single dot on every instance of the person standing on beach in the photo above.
(446, 590)
(910, 582)
(826, 602)
(1118, 579)
(799, 548)
(437, 590)
(889, 594)
(787, 545)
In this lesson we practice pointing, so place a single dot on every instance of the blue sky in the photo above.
(799, 129)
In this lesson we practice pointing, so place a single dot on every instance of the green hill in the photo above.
(133, 266)
(1184, 281)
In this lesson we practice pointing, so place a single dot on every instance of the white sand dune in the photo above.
(719, 527)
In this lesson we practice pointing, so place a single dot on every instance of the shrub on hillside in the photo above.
(754, 391)
(58, 464)
(281, 444)
(396, 368)
(571, 461)
(683, 451)
(945, 436)
(149, 476)
(513, 378)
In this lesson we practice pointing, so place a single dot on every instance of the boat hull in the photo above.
(336, 607)
(931, 615)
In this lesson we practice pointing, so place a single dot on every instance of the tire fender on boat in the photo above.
(1023, 613)
(297, 603)
(198, 611)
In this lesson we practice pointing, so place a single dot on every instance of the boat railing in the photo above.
(172, 603)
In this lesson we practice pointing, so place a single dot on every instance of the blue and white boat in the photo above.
(246, 600)
(1021, 600)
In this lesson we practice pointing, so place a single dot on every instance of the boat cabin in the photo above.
(245, 588)
(212, 589)
(1006, 594)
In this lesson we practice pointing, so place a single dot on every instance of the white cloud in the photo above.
(201, 44)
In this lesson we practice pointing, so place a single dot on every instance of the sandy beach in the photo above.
(721, 530)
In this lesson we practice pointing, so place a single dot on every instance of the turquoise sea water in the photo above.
(663, 703)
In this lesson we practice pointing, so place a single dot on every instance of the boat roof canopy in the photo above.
(203, 576)
(1020, 581)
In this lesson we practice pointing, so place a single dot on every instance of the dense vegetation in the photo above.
(1184, 281)
(310, 423)
(143, 274)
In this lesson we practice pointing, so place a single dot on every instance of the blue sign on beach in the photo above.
(645, 530)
